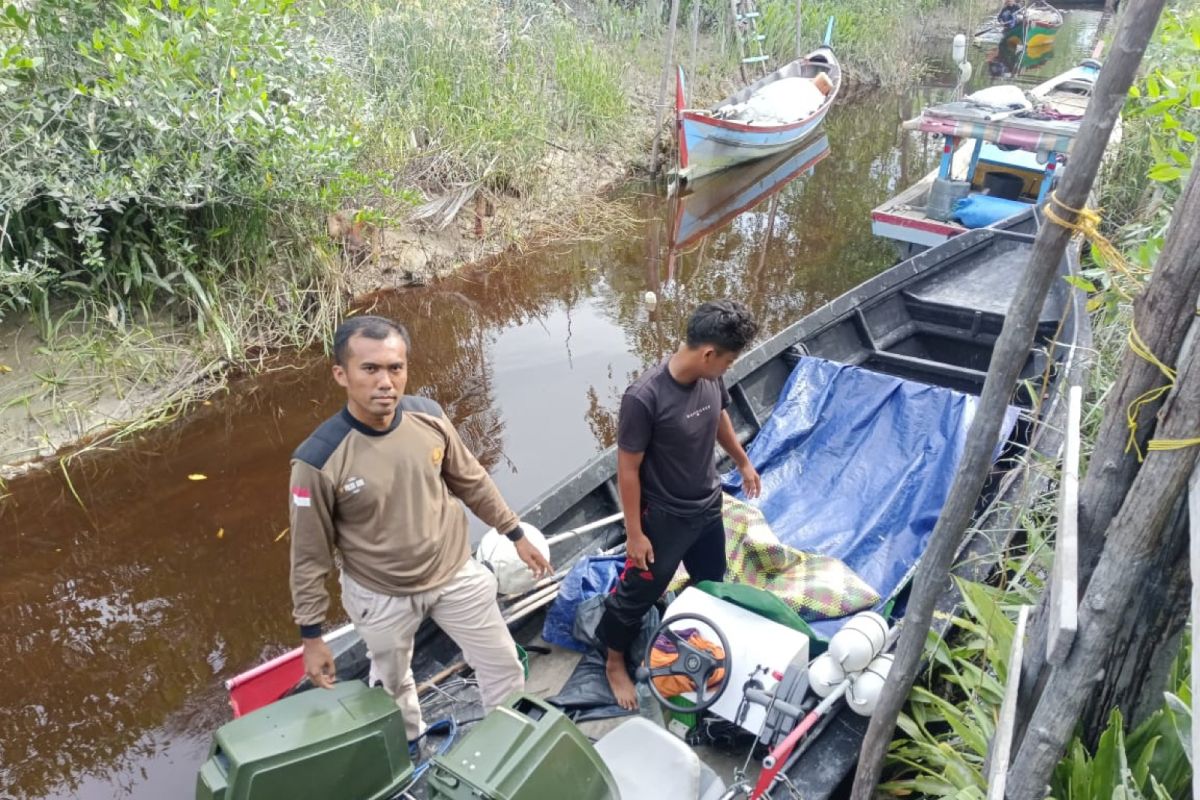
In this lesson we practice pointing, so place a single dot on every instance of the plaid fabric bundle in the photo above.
(814, 586)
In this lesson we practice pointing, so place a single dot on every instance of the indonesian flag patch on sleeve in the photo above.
(301, 497)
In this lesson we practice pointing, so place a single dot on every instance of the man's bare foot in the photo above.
(618, 680)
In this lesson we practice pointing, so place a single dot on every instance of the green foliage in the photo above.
(877, 40)
(1161, 122)
(148, 143)
(1169, 96)
(172, 151)
(1154, 762)
(948, 725)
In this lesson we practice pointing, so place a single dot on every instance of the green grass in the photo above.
(175, 160)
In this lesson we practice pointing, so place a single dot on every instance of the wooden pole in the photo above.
(1136, 533)
(739, 38)
(1011, 351)
(1194, 521)
(1171, 296)
(799, 48)
(662, 87)
(695, 35)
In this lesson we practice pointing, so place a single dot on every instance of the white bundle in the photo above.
(1002, 96)
(777, 103)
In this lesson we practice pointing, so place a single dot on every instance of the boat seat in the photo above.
(648, 762)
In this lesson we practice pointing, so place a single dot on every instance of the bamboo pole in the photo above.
(662, 87)
(1012, 348)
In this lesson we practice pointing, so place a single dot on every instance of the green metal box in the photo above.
(346, 742)
(524, 750)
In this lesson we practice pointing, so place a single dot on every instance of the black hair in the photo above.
(370, 327)
(725, 324)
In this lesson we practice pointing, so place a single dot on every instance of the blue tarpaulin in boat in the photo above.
(857, 465)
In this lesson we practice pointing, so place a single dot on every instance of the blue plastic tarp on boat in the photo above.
(588, 577)
(857, 465)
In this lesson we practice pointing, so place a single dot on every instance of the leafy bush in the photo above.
(1169, 96)
(1151, 763)
(149, 142)
(947, 726)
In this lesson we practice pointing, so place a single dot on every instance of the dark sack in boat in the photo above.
(591, 576)
(586, 694)
(587, 619)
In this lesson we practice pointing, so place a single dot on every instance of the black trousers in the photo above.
(698, 541)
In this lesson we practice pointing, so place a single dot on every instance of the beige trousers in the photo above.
(465, 608)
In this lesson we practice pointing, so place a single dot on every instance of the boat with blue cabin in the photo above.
(1000, 144)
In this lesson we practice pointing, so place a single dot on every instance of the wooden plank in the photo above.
(1194, 517)
(1002, 741)
(1064, 582)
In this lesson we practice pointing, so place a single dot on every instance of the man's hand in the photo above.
(318, 663)
(533, 559)
(639, 550)
(751, 483)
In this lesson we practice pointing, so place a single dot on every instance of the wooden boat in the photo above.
(711, 202)
(708, 143)
(1033, 28)
(1013, 58)
(933, 320)
(1012, 144)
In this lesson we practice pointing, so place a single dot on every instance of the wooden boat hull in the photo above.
(934, 318)
(707, 145)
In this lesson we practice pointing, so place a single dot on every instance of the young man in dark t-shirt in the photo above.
(671, 417)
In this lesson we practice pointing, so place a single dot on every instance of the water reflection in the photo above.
(131, 592)
(1047, 54)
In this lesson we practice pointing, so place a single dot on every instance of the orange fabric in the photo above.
(672, 685)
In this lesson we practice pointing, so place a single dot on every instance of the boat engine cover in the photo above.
(523, 750)
(348, 741)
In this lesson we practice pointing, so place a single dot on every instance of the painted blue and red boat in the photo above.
(712, 140)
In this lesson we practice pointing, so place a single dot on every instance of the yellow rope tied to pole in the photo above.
(1087, 223)
(1139, 348)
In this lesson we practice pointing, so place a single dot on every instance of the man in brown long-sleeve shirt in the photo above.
(378, 482)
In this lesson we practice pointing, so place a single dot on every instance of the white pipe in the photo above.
(591, 526)
(525, 612)
(544, 592)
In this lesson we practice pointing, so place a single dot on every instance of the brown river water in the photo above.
(130, 592)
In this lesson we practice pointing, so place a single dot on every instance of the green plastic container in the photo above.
(344, 742)
(524, 750)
